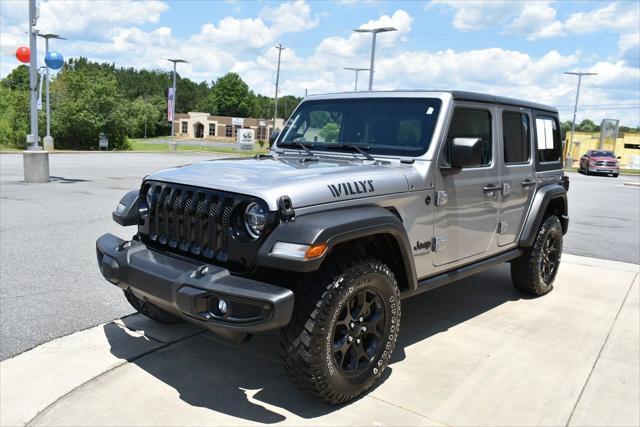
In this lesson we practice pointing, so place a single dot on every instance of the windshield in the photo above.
(386, 126)
(602, 154)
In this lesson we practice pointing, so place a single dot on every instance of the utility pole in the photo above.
(275, 113)
(35, 161)
(357, 70)
(575, 108)
(374, 32)
(172, 144)
(33, 75)
(48, 140)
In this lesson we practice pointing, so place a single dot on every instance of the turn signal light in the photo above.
(315, 251)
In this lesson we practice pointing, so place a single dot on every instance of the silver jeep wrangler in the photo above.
(366, 198)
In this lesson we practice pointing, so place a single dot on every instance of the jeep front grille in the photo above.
(188, 220)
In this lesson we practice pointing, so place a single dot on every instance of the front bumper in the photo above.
(604, 169)
(193, 291)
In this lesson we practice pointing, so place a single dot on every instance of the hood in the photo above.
(319, 181)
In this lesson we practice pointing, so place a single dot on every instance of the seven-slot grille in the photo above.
(189, 220)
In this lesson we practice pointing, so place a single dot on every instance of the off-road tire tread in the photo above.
(304, 364)
(150, 310)
(525, 269)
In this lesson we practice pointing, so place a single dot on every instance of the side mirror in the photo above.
(465, 152)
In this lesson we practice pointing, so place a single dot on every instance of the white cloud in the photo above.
(478, 14)
(245, 45)
(538, 21)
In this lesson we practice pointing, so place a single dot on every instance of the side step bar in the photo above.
(460, 273)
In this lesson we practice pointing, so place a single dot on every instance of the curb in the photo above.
(36, 379)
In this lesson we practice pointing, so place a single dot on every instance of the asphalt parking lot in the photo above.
(50, 285)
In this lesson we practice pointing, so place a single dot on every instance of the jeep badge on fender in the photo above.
(364, 200)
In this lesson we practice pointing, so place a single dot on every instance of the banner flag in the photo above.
(170, 101)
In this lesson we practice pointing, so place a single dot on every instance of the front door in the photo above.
(199, 130)
(467, 221)
(518, 177)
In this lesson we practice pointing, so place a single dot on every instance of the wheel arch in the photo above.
(377, 231)
(548, 200)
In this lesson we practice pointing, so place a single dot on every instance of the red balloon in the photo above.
(23, 54)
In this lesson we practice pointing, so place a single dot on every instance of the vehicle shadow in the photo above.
(247, 381)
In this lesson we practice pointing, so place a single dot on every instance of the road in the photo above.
(604, 217)
(50, 285)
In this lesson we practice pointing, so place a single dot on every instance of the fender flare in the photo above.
(334, 227)
(126, 212)
(543, 197)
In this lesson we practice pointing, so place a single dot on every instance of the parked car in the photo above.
(365, 199)
(599, 161)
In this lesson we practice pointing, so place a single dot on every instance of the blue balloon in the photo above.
(54, 60)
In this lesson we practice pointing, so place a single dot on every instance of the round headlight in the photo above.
(254, 219)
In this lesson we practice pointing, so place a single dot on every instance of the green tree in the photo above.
(144, 116)
(232, 96)
(88, 102)
(14, 108)
(587, 126)
(330, 132)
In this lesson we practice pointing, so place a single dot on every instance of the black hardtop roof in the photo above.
(456, 94)
(483, 97)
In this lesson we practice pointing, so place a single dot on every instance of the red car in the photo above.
(600, 161)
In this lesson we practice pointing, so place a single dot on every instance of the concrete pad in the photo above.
(623, 344)
(203, 382)
(474, 352)
(610, 397)
(37, 378)
(461, 374)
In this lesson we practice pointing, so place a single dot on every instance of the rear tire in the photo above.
(535, 270)
(343, 330)
(150, 310)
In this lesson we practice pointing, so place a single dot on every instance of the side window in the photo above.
(548, 139)
(515, 135)
(471, 123)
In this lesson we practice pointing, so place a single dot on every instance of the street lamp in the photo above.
(575, 107)
(48, 141)
(374, 32)
(357, 70)
(172, 98)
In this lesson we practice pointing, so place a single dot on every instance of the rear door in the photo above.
(466, 222)
(518, 176)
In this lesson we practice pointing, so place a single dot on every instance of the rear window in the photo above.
(515, 134)
(548, 142)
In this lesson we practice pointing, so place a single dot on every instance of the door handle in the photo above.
(527, 183)
(490, 188)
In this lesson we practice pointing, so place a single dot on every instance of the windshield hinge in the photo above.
(285, 207)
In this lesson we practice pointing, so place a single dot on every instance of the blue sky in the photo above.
(510, 48)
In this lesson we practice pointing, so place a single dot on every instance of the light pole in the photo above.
(374, 32)
(48, 141)
(357, 70)
(575, 108)
(275, 112)
(35, 161)
(172, 99)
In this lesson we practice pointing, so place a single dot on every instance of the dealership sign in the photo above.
(245, 139)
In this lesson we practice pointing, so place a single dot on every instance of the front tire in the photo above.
(343, 331)
(535, 270)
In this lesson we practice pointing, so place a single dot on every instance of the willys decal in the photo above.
(351, 188)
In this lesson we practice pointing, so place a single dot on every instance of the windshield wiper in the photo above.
(302, 145)
(359, 148)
